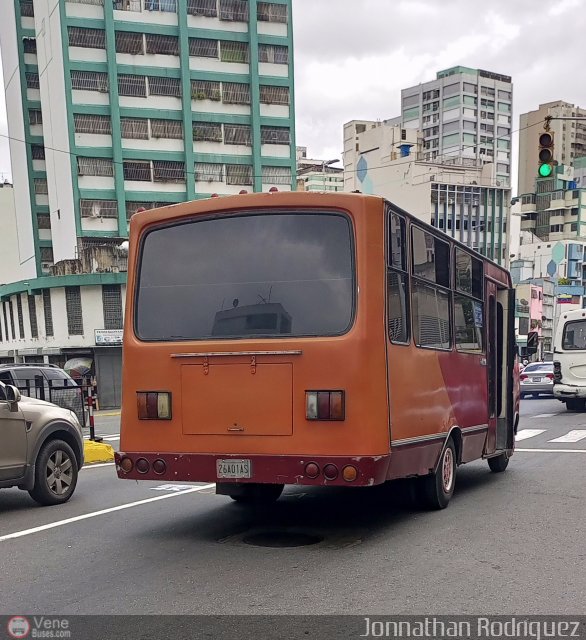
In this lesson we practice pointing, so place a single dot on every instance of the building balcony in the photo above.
(528, 224)
(101, 258)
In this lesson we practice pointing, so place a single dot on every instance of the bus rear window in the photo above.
(254, 275)
(574, 338)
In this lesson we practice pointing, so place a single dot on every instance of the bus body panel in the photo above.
(401, 402)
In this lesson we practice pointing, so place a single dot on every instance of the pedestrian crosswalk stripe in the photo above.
(528, 433)
(573, 436)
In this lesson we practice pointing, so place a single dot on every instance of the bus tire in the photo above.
(438, 488)
(499, 463)
(258, 494)
(575, 404)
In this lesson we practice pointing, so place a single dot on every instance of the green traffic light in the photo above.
(545, 170)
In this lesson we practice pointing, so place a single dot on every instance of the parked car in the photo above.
(41, 447)
(536, 379)
(45, 382)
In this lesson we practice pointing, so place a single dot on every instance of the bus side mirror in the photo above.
(532, 342)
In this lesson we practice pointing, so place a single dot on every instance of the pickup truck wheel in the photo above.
(575, 404)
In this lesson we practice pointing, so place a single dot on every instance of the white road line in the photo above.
(551, 450)
(94, 514)
(545, 415)
(111, 438)
(99, 464)
(528, 433)
(572, 436)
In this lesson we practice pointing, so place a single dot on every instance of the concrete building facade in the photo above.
(464, 114)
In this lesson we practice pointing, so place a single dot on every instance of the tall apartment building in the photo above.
(465, 114)
(569, 139)
(124, 104)
(461, 197)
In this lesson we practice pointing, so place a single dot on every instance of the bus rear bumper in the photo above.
(189, 467)
(566, 391)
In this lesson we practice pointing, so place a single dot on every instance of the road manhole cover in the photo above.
(281, 539)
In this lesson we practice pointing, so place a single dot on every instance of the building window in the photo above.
(274, 53)
(91, 123)
(27, 9)
(29, 45)
(131, 85)
(44, 222)
(166, 45)
(207, 132)
(270, 12)
(239, 174)
(32, 314)
(20, 316)
(275, 135)
(234, 10)
(237, 134)
(203, 48)
(234, 51)
(137, 170)
(48, 312)
(41, 186)
(122, 5)
(276, 175)
(206, 90)
(47, 254)
(32, 80)
(235, 93)
(134, 128)
(35, 116)
(38, 152)
(74, 313)
(274, 95)
(167, 129)
(98, 208)
(112, 303)
(95, 167)
(11, 312)
(90, 81)
(168, 171)
(162, 86)
(209, 172)
(207, 8)
(129, 42)
(169, 6)
(87, 38)
(4, 305)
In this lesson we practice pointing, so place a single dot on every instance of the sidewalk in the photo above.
(107, 412)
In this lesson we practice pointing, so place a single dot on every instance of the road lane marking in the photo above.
(551, 450)
(572, 436)
(528, 433)
(170, 487)
(111, 438)
(98, 464)
(94, 514)
(545, 415)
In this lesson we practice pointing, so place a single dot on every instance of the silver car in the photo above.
(536, 379)
(41, 447)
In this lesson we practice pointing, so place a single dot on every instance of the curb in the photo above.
(99, 414)
(97, 452)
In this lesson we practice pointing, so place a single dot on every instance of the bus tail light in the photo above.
(349, 473)
(557, 371)
(126, 464)
(154, 405)
(325, 405)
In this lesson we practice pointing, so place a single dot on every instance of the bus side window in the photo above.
(397, 281)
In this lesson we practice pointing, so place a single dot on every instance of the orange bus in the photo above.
(313, 339)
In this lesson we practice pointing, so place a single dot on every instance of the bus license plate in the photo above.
(233, 469)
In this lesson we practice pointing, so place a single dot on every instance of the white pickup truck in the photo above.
(569, 355)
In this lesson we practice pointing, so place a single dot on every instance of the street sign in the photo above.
(108, 336)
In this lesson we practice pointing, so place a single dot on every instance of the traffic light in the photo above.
(546, 161)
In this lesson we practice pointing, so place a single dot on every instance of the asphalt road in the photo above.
(510, 543)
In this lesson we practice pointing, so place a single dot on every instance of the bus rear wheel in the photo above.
(499, 463)
(575, 404)
(437, 488)
(257, 494)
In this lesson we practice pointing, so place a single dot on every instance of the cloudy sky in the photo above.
(353, 57)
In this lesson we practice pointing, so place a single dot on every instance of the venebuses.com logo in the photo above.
(18, 627)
